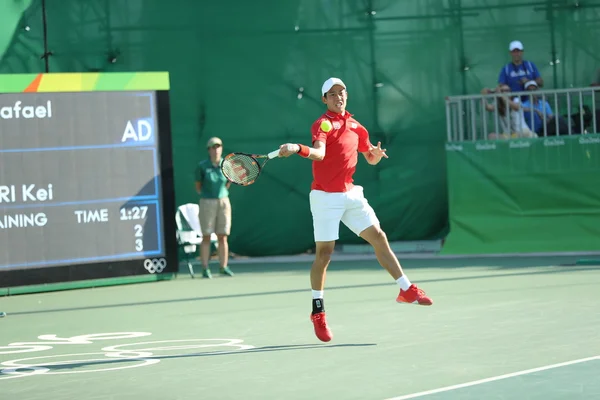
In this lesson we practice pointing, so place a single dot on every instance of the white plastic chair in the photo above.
(189, 234)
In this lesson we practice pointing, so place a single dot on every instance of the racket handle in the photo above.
(273, 154)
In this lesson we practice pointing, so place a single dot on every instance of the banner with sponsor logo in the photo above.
(521, 196)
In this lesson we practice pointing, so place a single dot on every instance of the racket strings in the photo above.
(241, 169)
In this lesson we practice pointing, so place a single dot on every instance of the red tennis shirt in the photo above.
(342, 144)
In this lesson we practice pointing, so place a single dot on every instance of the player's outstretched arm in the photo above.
(316, 153)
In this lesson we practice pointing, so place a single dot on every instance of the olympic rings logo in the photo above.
(155, 265)
(108, 358)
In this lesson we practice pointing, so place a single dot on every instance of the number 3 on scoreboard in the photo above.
(139, 243)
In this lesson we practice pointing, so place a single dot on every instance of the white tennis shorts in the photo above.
(351, 208)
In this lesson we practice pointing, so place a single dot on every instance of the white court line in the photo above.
(493, 379)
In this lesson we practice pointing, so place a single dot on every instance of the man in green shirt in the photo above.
(215, 208)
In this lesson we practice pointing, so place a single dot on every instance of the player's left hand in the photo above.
(378, 151)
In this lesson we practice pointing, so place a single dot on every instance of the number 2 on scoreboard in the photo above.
(139, 243)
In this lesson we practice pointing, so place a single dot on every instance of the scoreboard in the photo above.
(86, 177)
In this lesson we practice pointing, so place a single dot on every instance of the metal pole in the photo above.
(373, 63)
(508, 112)
(45, 33)
(484, 119)
(460, 122)
(556, 114)
(456, 9)
(552, 26)
(473, 120)
(544, 114)
(525, 93)
(594, 110)
(581, 112)
(569, 112)
(448, 121)
(531, 116)
(496, 116)
(455, 121)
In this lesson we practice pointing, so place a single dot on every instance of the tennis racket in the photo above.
(242, 168)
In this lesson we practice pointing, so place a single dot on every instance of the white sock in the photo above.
(403, 282)
(317, 294)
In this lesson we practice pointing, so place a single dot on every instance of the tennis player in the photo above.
(337, 138)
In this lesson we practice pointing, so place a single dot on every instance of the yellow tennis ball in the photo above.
(326, 125)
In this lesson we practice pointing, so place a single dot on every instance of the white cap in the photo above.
(331, 82)
(213, 141)
(515, 45)
(531, 83)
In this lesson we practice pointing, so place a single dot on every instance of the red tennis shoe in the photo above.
(321, 329)
(414, 295)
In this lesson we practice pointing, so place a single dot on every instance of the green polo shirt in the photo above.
(212, 179)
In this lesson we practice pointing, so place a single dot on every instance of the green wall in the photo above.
(523, 196)
(236, 67)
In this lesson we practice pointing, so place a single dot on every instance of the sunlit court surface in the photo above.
(500, 328)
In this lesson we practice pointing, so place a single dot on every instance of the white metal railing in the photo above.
(493, 117)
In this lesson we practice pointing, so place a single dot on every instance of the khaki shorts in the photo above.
(215, 216)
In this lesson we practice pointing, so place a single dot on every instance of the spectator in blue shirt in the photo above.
(519, 71)
(539, 107)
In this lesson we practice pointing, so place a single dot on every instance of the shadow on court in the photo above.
(76, 364)
(546, 271)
